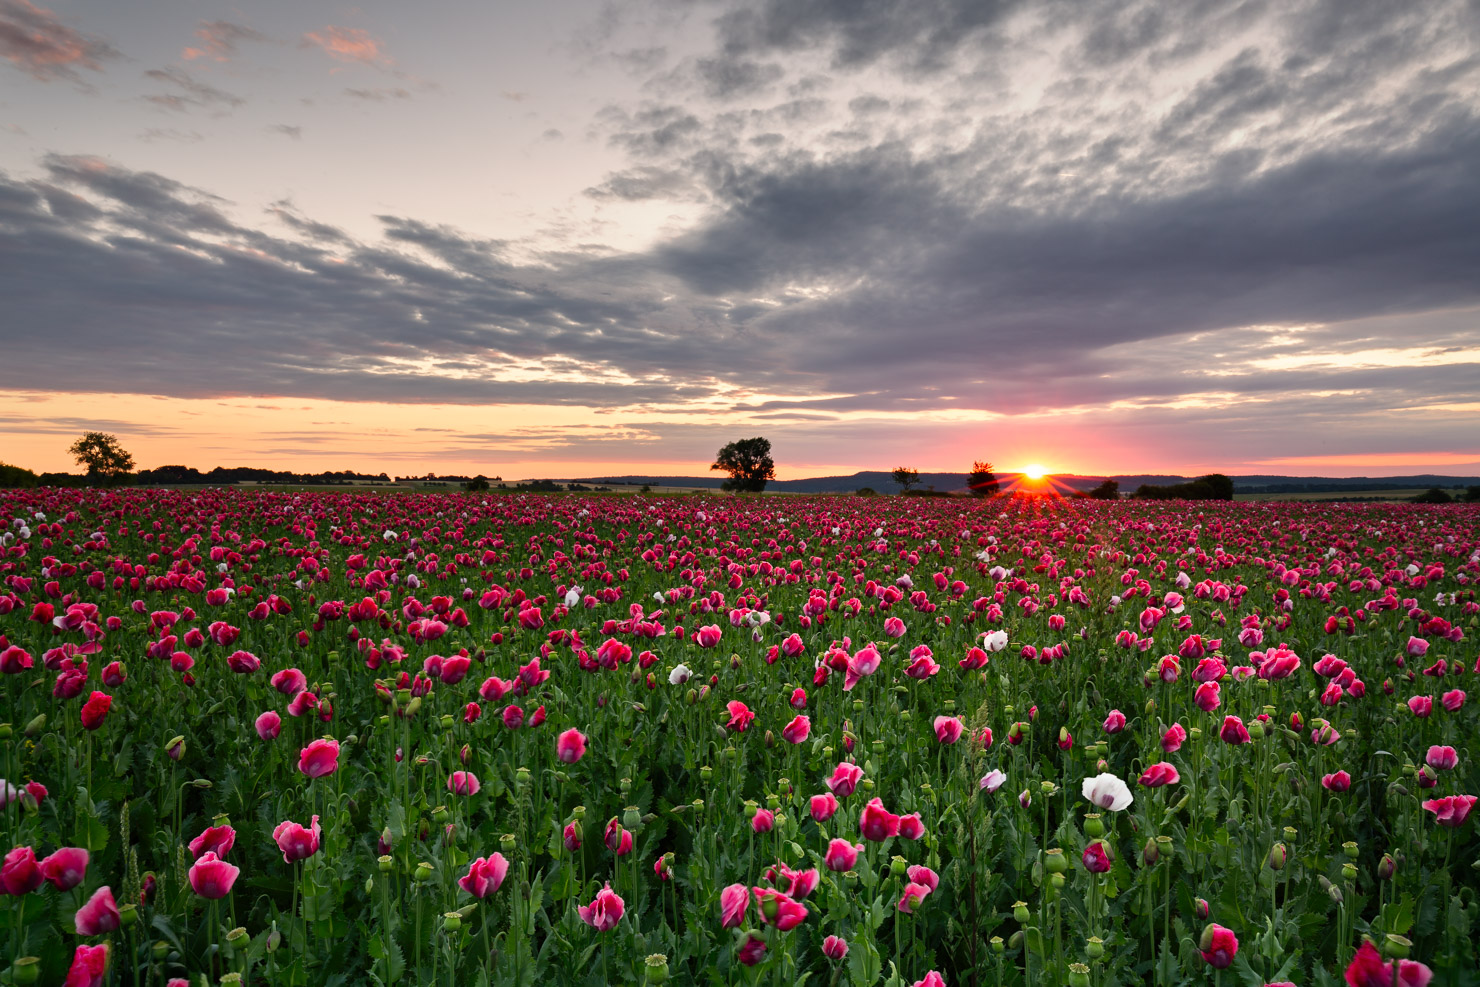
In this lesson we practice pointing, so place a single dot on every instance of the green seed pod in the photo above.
(656, 968)
(1020, 911)
(128, 914)
(998, 945)
(35, 727)
(1094, 825)
(26, 969)
(1057, 880)
(1350, 849)
(1396, 946)
(1094, 947)
(1078, 975)
(423, 872)
(1054, 861)
(237, 936)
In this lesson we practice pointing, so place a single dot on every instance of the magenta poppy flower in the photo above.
(20, 873)
(823, 807)
(319, 758)
(707, 636)
(923, 875)
(571, 836)
(876, 823)
(797, 730)
(95, 710)
(463, 783)
(763, 821)
(513, 717)
(844, 780)
(1453, 699)
(1159, 774)
(216, 839)
(931, 979)
(752, 950)
(1421, 706)
(99, 916)
(485, 875)
(841, 855)
(834, 948)
(779, 909)
(740, 716)
(1095, 859)
(1206, 698)
(910, 827)
(65, 868)
(1233, 731)
(1368, 970)
(295, 842)
(1218, 947)
(605, 910)
(1115, 722)
(733, 901)
(290, 681)
(211, 877)
(1442, 758)
(1339, 781)
(1451, 810)
(1172, 740)
(948, 729)
(269, 725)
(89, 966)
(913, 896)
(570, 746)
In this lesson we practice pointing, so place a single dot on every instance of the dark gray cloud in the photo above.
(188, 91)
(1203, 214)
(37, 43)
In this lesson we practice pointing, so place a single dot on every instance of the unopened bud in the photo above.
(1278, 854)
(1387, 867)
(1200, 909)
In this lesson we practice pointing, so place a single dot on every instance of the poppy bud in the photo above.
(1387, 867)
(1278, 855)
(35, 726)
(1200, 909)
(1150, 853)
(175, 748)
(1016, 941)
(161, 949)
(274, 940)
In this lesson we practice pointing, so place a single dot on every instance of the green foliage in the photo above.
(105, 459)
(982, 481)
(748, 461)
(865, 492)
(1214, 486)
(16, 476)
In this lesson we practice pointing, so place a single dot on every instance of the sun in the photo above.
(1034, 472)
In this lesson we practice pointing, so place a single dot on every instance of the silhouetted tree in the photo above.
(1109, 490)
(104, 458)
(17, 476)
(981, 481)
(1472, 495)
(906, 477)
(1433, 495)
(748, 461)
(477, 483)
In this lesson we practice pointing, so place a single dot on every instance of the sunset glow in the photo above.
(268, 235)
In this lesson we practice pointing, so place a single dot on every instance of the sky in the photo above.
(578, 239)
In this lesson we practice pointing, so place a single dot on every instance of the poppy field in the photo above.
(340, 738)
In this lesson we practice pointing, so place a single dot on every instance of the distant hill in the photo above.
(883, 482)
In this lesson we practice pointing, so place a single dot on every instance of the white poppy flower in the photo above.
(1107, 791)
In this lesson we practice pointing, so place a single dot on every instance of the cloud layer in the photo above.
(1252, 217)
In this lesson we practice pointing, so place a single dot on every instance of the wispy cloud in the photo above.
(188, 92)
(349, 44)
(37, 43)
(219, 40)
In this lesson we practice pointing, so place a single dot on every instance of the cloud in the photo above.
(287, 130)
(378, 95)
(219, 40)
(348, 44)
(191, 91)
(1252, 225)
(37, 43)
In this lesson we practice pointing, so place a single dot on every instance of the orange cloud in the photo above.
(219, 40)
(43, 46)
(348, 44)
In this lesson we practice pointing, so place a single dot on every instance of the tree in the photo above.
(17, 476)
(102, 455)
(748, 461)
(981, 480)
(906, 478)
(477, 483)
(1472, 495)
(1109, 490)
(1433, 495)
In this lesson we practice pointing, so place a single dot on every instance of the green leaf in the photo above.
(864, 966)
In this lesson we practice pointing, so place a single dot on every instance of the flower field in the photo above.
(278, 738)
